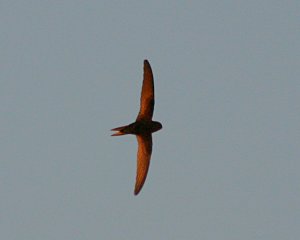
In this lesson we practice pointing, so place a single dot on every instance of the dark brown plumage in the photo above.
(143, 128)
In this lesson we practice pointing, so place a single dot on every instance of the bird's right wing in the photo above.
(143, 160)
(147, 95)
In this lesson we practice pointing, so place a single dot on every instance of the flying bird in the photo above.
(142, 128)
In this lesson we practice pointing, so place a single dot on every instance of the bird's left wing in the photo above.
(147, 95)
(143, 160)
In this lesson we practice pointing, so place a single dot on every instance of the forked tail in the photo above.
(120, 131)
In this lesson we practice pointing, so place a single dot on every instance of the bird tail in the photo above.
(120, 131)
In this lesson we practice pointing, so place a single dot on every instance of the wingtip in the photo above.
(136, 192)
(137, 188)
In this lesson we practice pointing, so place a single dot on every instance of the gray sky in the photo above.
(226, 164)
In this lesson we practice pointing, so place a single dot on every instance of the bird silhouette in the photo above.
(143, 128)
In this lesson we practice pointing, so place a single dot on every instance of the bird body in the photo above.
(143, 128)
(138, 128)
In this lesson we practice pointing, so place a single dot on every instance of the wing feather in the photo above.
(147, 95)
(143, 160)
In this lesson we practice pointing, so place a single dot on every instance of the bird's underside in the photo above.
(143, 128)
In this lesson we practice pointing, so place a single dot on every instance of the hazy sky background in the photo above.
(226, 163)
